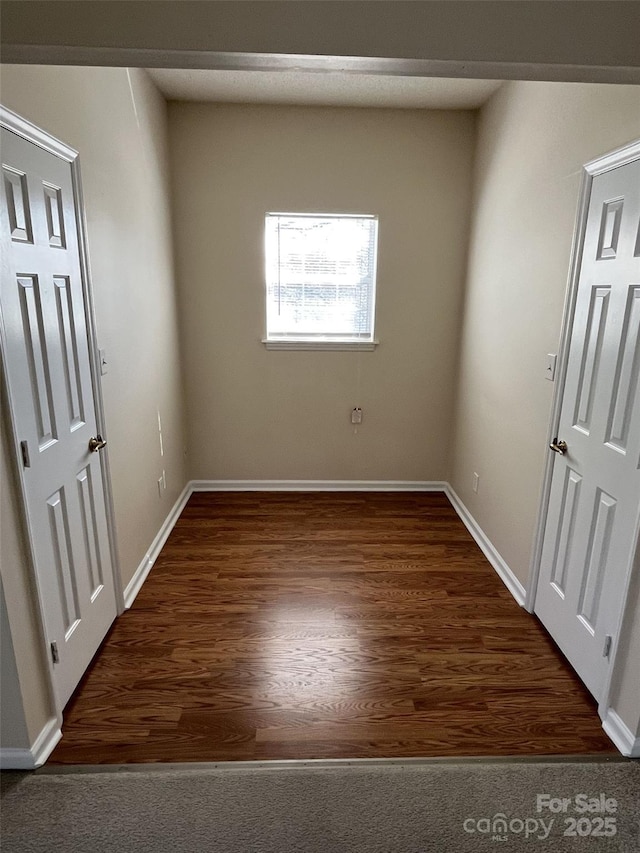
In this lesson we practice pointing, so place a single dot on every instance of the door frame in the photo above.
(605, 163)
(31, 133)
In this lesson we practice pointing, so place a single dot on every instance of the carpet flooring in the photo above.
(444, 806)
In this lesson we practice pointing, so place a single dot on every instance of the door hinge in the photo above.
(55, 654)
(607, 646)
(24, 449)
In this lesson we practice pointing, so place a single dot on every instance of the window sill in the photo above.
(327, 346)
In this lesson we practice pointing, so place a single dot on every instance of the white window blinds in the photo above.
(320, 272)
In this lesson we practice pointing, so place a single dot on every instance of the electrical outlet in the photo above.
(356, 415)
(476, 482)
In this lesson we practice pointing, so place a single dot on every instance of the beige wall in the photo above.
(533, 140)
(258, 414)
(117, 120)
(13, 728)
(24, 692)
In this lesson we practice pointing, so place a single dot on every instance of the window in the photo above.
(321, 280)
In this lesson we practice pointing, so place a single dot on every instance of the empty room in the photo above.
(320, 427)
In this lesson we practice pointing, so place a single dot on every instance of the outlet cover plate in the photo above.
(550, 372)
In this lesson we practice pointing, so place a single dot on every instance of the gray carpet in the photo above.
(364, 807)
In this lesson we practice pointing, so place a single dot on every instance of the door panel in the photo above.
(625, 387)
(47, 367)
(595, 488)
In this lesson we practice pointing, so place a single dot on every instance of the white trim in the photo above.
(327, 346)
(16, 124)
(620, 157)
(29, 759)
(140, 575)
(318, 486)
(505, 574)
(46, 741)
(16, 759)
(140, 57)
(621, 734)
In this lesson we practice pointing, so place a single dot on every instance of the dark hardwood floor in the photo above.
(315, 625)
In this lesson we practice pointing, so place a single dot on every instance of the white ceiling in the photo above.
(336, 89)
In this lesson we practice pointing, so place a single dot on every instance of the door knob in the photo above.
(559, 446)
(96, 443)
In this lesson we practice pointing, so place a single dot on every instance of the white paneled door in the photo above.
(46, 354)
(594, 502)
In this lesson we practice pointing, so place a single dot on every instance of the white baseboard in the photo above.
(318, 486)
(621, 735)
(506, 575)
(29, 759)
(504, 572)
(140, 575)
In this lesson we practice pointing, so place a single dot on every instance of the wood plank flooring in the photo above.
(325, 625)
